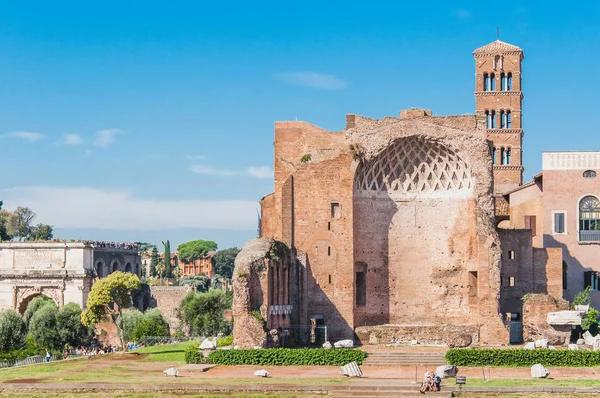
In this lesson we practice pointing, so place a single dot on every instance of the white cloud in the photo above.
(211, 171)
(255, 172)
(261, 172)
(83, 207)
(195, 157)
(107, 137)
(312, 79)
(72, 139)
(26, 135)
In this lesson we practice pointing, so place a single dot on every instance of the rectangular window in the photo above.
(361, 289)
(330, 279)
(336, 210)
(558, 223)
(511, 281)
(329, 250)
(329, 226)
(590, 278)
(511, 254)
(530, 224)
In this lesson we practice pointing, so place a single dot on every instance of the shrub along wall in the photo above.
(280, 357)
(521, 357)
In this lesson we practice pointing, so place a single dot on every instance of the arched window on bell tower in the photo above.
(492, 82)
(509, 82)
(502, 156)
(494, 160)
(508, 156)
(493, 117)
(502, 120)
(486, 82)
(503, 82)
(508, 120)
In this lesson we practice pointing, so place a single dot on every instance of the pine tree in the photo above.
(154, 260)
(167, 260)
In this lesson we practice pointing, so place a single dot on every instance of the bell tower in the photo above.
(498, 99)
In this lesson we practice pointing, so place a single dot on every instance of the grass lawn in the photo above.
(167, 352)
(513, 395)
(157, 394)
(472, 382)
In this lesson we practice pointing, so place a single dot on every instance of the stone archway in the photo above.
(28, 296)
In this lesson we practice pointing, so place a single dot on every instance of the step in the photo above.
(382, 394)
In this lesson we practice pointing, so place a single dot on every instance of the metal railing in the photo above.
(589, 236)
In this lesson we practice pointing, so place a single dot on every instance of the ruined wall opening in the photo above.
(415, 226)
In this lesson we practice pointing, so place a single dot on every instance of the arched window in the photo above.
(488, 119)
(494, 160)
(508, 120)
(493, 82)
(115, 266)
(498, 62)
(503, 83)
(502, 120)
(589, 219)
(493, 116)
(486, 82)
(502, 156)
(508, 156)
(127, 267)
(100, 269)
(509, 82)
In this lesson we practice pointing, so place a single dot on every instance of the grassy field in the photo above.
(512, 395)
(472, 382)
(166, 353)
(129, 394)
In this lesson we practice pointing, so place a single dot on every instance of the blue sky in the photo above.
(154, 120)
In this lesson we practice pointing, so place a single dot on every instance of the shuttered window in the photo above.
(590, 278)
(559, 223)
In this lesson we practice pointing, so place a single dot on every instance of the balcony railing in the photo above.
(280, 309)
(589, 236)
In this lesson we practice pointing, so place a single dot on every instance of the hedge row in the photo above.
(281, 357)
(521, 357)
(192, 354)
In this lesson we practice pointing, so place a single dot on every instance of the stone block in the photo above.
(208, 345)
(539, 371)
(344, 344)
(261, 373)
(351, 370)
(172, 372)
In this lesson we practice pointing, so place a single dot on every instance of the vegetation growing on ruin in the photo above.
(284, 357)
(225, 341)
(306, 158)
(278, 251)
(521, 357)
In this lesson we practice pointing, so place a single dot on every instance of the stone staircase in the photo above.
(405, 359)
(383, 391)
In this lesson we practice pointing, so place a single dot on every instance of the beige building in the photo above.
(62, 271)
(561, 207)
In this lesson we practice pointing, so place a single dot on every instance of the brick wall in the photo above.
(167, 299)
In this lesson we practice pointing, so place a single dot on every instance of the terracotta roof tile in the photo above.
(496, 46)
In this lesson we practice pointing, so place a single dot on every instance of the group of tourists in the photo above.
(431, 382)
(111, 245)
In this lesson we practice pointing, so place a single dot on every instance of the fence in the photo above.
(24, 362)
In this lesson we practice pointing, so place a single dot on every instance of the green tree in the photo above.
(110, 296)
(70, 329)
(591, 321)
(153, 324)
(12, 331)
(130, 319)
(35, 305)
(195, 249)
(43, 327)
(41, 232)
(19, 222)
(154, 263)
(4, 235)
(200, 283)
(202, 313)
(166, 266)
(225, 260)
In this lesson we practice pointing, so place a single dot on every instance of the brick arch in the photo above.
(29, 295)
(322, 235)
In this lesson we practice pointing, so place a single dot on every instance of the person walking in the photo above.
(48, 356)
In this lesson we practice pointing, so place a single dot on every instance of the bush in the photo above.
(12, 331)
(43, 327)
(70, 329)
(286, 357)
(192, 354)
(131, 318)
(202, 313)
(225, 341)
(151, 325)
(35, 305)
(521, 357)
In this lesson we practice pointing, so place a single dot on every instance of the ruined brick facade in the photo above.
(393, 221)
